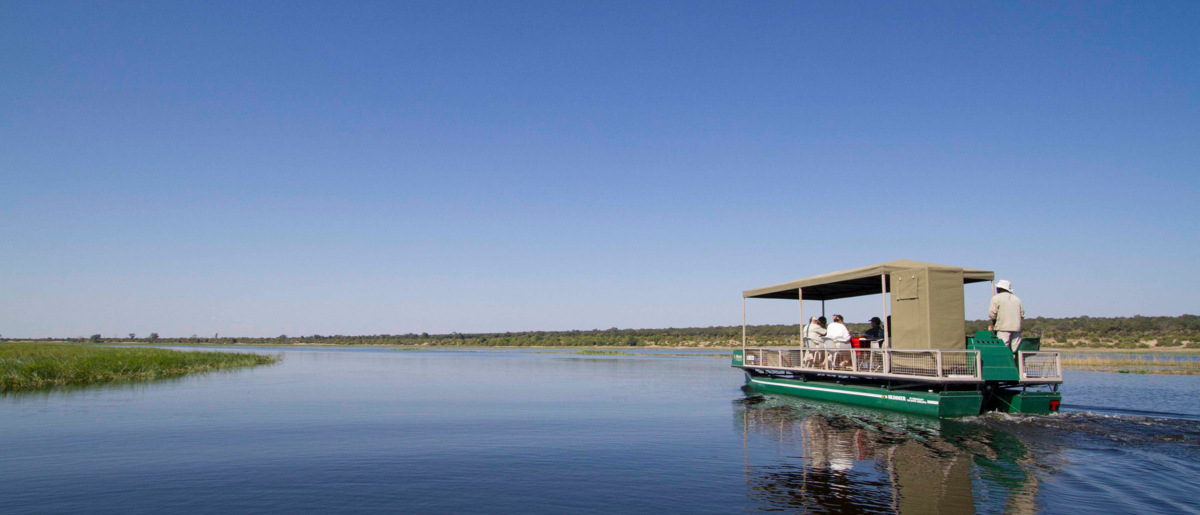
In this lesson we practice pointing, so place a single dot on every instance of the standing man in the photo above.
(1006, 313)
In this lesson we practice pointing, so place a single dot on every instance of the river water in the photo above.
(521, 431)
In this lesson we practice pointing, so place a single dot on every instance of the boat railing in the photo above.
(930, 365)
(1040, 366)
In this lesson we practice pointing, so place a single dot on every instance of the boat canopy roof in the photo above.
(855, 282)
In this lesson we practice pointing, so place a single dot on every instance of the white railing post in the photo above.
(1021, 366)
(939, 364)
(800, 297)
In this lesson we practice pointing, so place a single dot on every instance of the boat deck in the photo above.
(933, 366)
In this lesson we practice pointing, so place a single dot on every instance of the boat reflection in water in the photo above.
(825, 458)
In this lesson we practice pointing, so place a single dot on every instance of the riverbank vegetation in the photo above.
(1130, 364)
(26, 366)
(1082, 332)
(1136, 332)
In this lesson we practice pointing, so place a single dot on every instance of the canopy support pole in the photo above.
(887, 342)
(993, 294)
(822, 307)
(800, 296)
(743, 326)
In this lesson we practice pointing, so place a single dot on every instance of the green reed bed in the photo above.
(655, 354)
(25, 366)
(1127, 364)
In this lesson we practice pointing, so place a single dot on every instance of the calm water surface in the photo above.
(373, 430)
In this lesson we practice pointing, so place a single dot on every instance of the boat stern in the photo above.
(1028, 403)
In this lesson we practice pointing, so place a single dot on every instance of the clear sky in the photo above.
(258, 168)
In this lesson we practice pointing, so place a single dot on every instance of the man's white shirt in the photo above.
(838, 335)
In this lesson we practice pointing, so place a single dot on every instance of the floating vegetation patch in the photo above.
(25, 366)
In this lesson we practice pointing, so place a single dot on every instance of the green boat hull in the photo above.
(931, 404)
(993, 395)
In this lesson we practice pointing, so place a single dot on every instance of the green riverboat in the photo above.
(925, 364)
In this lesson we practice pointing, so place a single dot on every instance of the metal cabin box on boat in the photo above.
(925, 363)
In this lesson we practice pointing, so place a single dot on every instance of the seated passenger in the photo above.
(814, 334)
(876, 330)
(837, 336)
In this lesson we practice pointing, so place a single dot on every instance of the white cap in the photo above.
(1003, 285)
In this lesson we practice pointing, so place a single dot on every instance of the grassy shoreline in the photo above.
(1181, 351)
(1132, 364)
(26, 366)
(1125, 333)
(1125, 361)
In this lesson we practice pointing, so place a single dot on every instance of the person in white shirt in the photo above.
(1006, 313)
(815, 333)
(814, 338)
(836, 335)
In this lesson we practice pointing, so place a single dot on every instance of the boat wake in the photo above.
(1139, 413)
(1127, 428)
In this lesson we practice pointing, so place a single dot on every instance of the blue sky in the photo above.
(258, 168)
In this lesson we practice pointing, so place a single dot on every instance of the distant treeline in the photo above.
(1124, 332)
(1081, 331)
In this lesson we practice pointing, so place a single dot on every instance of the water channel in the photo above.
(536, 431)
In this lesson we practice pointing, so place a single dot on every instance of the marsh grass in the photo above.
(656, 354)
(25, 366)
(1133, 364)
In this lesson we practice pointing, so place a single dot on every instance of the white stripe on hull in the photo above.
(915, 400)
